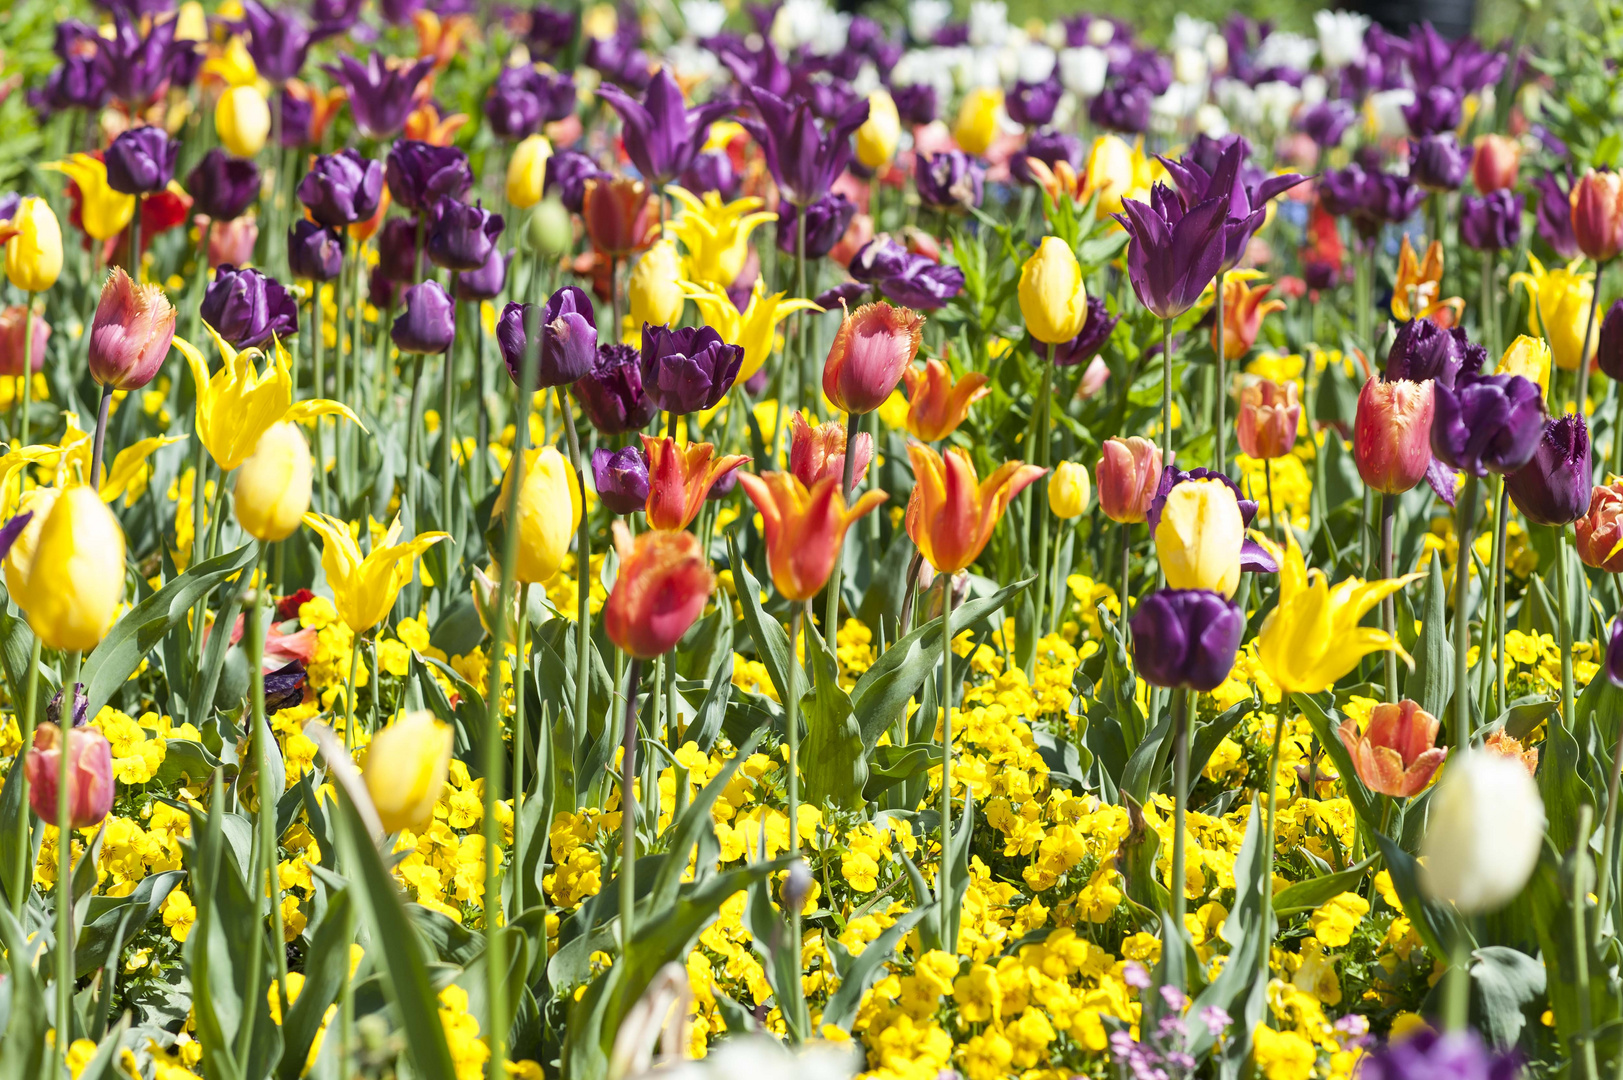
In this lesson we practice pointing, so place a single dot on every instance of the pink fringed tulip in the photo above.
(1392, 434)
(874, 346)
(130, 336)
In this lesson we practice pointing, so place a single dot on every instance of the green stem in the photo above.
(583, 567)
(99, 443)
(831, 621)
(1389, 616)
(64, 865)
(28, 371)
(25, 725)
(797, 629)
(1182, 700)
(1502, 701)
(944, 898)
(318, 345)
(1569, 700)
(628, 810)
(1464, 526)
(349, 692)
(263, 737)
(520, 744)
(1220, 432)
(1580, 936)
(1589, 330)
(1166, 391)
(802, 322)
(1268, 927)
(1039, 503)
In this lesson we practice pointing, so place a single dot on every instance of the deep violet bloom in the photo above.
(428, 323)
(1491, 222)
(1174, 253)
(804, 158)
(462, 237)
(567, 331)
(380, 97)
(141, 161)
(662, 135)
(1487, 423)
(1554, 487)
(621, 478)
(222, 186)
(419, 174)
(1186, 638)
(247, 308)
(826, 221)
(611, 394)
(950, 180)
(688, 369)
(343, 188)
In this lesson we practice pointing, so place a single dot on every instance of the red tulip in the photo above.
(661, 588)
(1392, 434)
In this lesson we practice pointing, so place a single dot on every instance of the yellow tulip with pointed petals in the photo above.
(716, 235)
(103, 212)
(755, 328)
(364, 587)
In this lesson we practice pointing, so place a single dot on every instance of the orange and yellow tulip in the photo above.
(804, 528)
(952, 512)
(679, 477)
(1415, 293)
(1244, 306)
(935, 404)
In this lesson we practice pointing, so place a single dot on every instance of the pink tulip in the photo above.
(131, 333)
(1128, 472)
(12, 321)
(1392, 433)
(90, 774)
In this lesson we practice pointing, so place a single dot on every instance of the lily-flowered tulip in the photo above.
(1487, 423)
(876, 139)
(1312, 637)
(141, 161)
(381, 93)
(816, 453)
(874, 346)
(689, 369)
(272, 491)
(527, 171)
(662, 135)
(952, 512)
(23, 540)
(935, 404)
(1198, 535)
(364, 587)
(1392, 433)
(90, 774)
(620, 478)
(248, 308)
(1597, 215)
(549, 512)
(16, 355)
(804, 528)
(621, 216)
(654, 289)
(1415, 293)
(33, 239)
(406, 766)
(221, 186)
(1600, 531)
(131, 332)
(1559, 300)
(661, 587)
(1174, 253)
(754, 329)
(1068, 490)
(76, 576)
(1053, 301)
(1494, 162)
(1244, 307)
(804, 159)
(679, 478)
(1186, 638)
(103, 212)
(716, 235)
(1397, 755)
(1554, 488)
(1479, 870)
(1128, 472)
(611, 394)
(242, 119)
(1268, 418)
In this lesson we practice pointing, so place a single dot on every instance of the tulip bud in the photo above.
(76, 577)
(662, 587)
(1068, 490)
(1554, 487)
(1530, 358)
(1481, 869)
(797, 887)
(273, 486)
(487, 594)
(1397, 754)
(877, 137)
(1128, 472)
(1599, 532)
(1186, 638)
(621, 478)
(405, 770)
(1597, 215)
(527, 171)
(1268, 418)
(1495, 162)
(548, 231)
(243, 120)
(874, 345)
(1198, 537)
(141, 161)
(1609, 356)
(130, 335)
(15, 356)
(428, 325)
(1053, 301)
(654, 289)
(1392, 433)
(976, 125)
(90, 775)
(33, 246)
(548, 513)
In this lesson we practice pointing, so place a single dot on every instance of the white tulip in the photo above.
(925, 17)
(988, 22)
(1083, 70)
(704, 18)
(1341, 37)
(1484, 829)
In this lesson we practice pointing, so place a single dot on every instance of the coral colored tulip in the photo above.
(1269, 416)
(1495, 162)
(549, 512)
(1244, 307)
(1397, 755)
(661, 587)
(952, 512)
(621, 216)
(1392, 433)
(1187, 638)
(272, 491)
(935, 404)
(15, 356)
(90, 775)
(131, 333)
(1127, 473)
(679, 478)
(804, 528)
(33, 239)
(1554, 487)
(76, 576)
(819, 452)
(1199, 535)
(406, 766)
(1599, 532)
(1597, 215)
(1508, 746)
(364, 587)
(1053, 302)
(874, 346)
(1068, 490)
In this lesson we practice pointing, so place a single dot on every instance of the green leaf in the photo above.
(772, 644)
(1309, 894)
(1431, 683)
(1438, 925)
(1561, 784)
(1505, 983)
(857, 973)
(100, 939)
(769, 936)
(326, 966)
(22, 1051)
(1144, 768)
(832, 760)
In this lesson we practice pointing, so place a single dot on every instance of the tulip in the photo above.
(1032, 104)
(976, 125)
(1113, 173)
(661, 587)
(1495, 162)
(874, 346)
(343, 188)
(621, 478)
(242, 119)
(1614, 654)
(1435, 109)
(549, 512)
(1326, 123)
(951, 180)
(428, 323)
(461, 237)
(141, 161)
(611, 394)
(1198, 534)
(1397, 755)
(380, 96)
(1416, 292)
(248, 308)
(1422, 351)
(1068, 490)
(1528, 357)
(1123, 106)
(804, 528)
(876, 139)
(272, 491)
(1186, 638)
(1312, 637)
(406, 766)
(314, 252)
(485, 283)
(1554, 488)
(33, 508)
(90, 775)
(221, 186)
(1597, 215)
(1174, 253)
(935, 404)
(816, 453)
(103, 212)
(679, 478)
(827, 218)
(654, 289)
(1492, 222)
(1559, 304)
(522, 99)
(397, 250)
(1480, 870)
(689, 369)
(1085, 347)
(364, 587)
(715, 234)
(1268, 419)
(1437, 163)
(1128, 472)
(527, 171)
(1243, 310)
(16, 356)
(1488, 423)
(620, 215)
(661, 134)
(1600, 531)
(1053, 301)
(1555, 213)
(567, 173)
(1609, 353)
(1050, 150)
(33, 240)
(712, 172)
(76, 576)
(1214, 168)
(131, 332)
(804, 159)
(952, 513)
(420, 174)
(1392, 433)
(755, 328)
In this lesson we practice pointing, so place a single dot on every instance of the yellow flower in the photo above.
(232, 65)
(33, 239)
(715, 234)
(755, 328)
(76, 576)
(1068, 490)
(406, 765)
(1053, 301)
(1528, 357)
(1199, 536)
(549, 512)
(1558, 307)
(273, 485)
(1283, 1055)
(976, 125)
(364, 588)
(655, 288)
(102, 211)
(1312, 637)
(527, 171)
(1117, 171)
(877, 137)
(1335, 920)
(243, 121)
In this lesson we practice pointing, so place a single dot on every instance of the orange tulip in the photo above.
(425, 124)
(621, 217)
(816, 452)
(440, 38)
(935, 404)
(662, 585)
(952, 512)
(1269, 415)
(1398, 754)
(1511, 747)
(679, 477)
(804, 528)
(1415, 293)
(1243, 309)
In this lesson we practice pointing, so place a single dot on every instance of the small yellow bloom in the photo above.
(716, 235)
(33, 239)
(877, 137)
(364, 588)
(976, 125)
(1053, 301)
(527, 171)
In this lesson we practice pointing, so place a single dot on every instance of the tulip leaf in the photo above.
(771, 641)
(1309, 894)
(23, 1047)
(712, 710)
(1210, 735)
(1243, 930)
(1437, 923)
(832, 760)
(105, 930)
(769, 935)
(857, 973)
(1148, 761)
(1561, 785)
(1504, 982)
(1431, 683)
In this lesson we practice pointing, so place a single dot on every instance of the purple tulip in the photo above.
(523, 99)
(340, 14)
(1124, 107)
(661, 133)
(826, 221)
(1427, 1054)
(804, 159)
(879, 258)
(1555, 214)
(1327, 122)
(1423, 350)
(486, 282)
(1438, 163)
(1088, 343)
(247, 308)
(461, 237)
(1049, 147)
(1554, 487)
(75, 83)
(279, 41)
(1253, 556)
(550, 31)
(399, 12)
(567, 327)
(314, 252)
(135, 67)
(619, 59)
(689, 369)
(141, 161)
(711, 171)
(1342, 190)
(343, 188)
(419, 174)
(567, 173)
(428, 323)
(1393, 199)
(382, 293)
(621, 478)
(1491, 222)
(1609, 352)
(397, 250)
(380, 97)
(1487, 423)
(1186, 638)
(297, 117)
(1032, 104)
(916, 104)
(1462, 65)
(1434, 110)
(611, 395)
(922, 284)
(950, 180)
(1174, 252)
(1218, 167)
(1614, 653)
(223, 186)
(762, 68)
(847, 294)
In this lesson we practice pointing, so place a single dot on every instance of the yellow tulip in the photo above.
(549, 513)
(1199, 535)
(364, 587)
(243, 120)
(1528, 357)
(33, 245)
(103, 212)
(20, 559)
(1068, 490)
(976, 125)
(527, 171)
(191, 24)
(755, 328)
(716, 235)
(232, 65)
(1117, 171)
(1053, 301)
(655, 288)
(1312, 637)
(76, 576)
(71, 458)
(273, 485)
(1558, 306)
(237, 405)
(877, 137)
(406, 766)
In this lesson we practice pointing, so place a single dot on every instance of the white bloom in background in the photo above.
(925, 17)
(1189, 65)
(1383, 113)
(1239, 102)
(1033, 62)
(1083, 70)
(975, 67)
(1284, 49)
(988, 22)
(754, 1057)
(704, 18)
(1276, 101)
(1178, 102)
(812, 25)
(690, 61)
(1210, 121)
(1217, 52)
(1314, 89)
(931, 67)
(1189, 32)
(1484, 828)
(1101, 32)
(1341, 37)
(867, 80)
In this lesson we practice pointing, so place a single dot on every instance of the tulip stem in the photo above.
(791, 712)
(447, 424)
(1580, 936)
(520, 743)
(349, 692)
(1182, 702)
(262, 858)
(949, 929)
(1039, 504)
(413, 422)
(1166, 393)
(64, 860)
(100, 442)
(25, 726)
(267, 802)
(1220, 430)
(1501, 701)
(1569, 702)
(135, 242)
(1268, 847)
(1126, 572)
(28, 371)
(318, 345)
(628, 811)
(1582, 374)
(1389, 611)
(1608, 863)
(831, 622)
(583, 569)
(1464, 522)
(481, 414)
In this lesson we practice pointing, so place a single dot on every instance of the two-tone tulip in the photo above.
(1599, 533)
(1199, 530)
(1494, 162)
(18, 355)
(90, 774)
(873, 348)
(131, 332)
(1397, 754)
(1127, 472)
(816, 453)
(936, 405)
(679, 478)
(952, 512)
(1392, 433)
(1597, 215)
(661, 587)
(1244, 307)
(1268, 418)
(804, 528)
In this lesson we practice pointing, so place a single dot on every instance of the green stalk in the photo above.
(349, 692)
(267, 799)
(1569, 699)
(1268, 847)
(797, 628)
(64, 866)
(628, 810)
(1464, 524)
(1389, 610)
(583, 568)
(318, 345)
(25, 724)
(1580, 936)
(1039, 504)
(340, 325)
(1220, 431)
(802, 322)
(520, 742)
(28, 370)
(1182, 701)
(831, 621)
(943, 897)
(1502, 701)
(413, 422)
(1166, 391)
(1582, 374)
